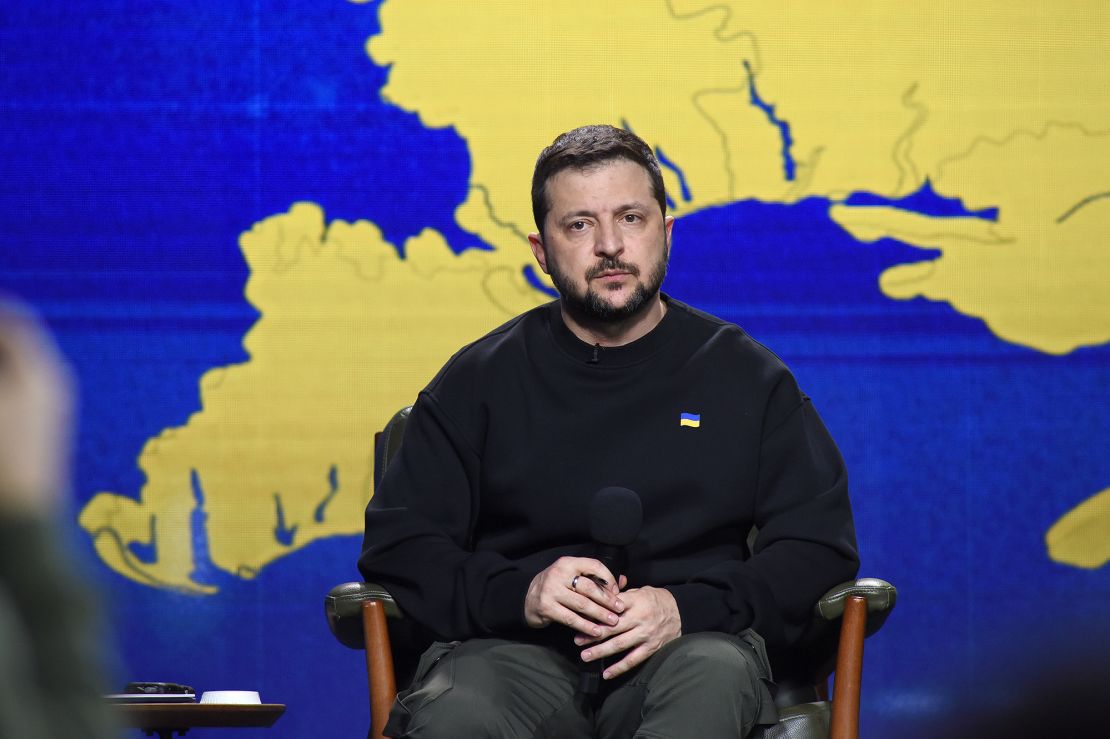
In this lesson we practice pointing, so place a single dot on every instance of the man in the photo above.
(480, 528)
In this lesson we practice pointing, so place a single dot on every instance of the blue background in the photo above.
(140, 140)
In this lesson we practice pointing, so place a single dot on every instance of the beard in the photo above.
(594, 306)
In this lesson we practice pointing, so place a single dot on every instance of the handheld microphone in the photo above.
(615, 518)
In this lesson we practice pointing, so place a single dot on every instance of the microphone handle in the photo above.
(613, 557)
(615, 560)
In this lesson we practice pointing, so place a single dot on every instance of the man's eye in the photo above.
(631, 218)
(578, 226)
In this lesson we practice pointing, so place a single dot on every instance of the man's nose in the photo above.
(609, 242)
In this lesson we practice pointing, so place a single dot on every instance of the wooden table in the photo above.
(164, 719)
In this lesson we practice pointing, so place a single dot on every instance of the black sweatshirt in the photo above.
(506, 447)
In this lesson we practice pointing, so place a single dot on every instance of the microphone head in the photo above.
(615, 516)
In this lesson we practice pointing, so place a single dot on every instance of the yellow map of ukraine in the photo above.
(993, 103)
(280, 453)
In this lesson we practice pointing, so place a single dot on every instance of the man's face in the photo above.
(605, 242)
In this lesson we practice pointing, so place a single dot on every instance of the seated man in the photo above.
(480, 528)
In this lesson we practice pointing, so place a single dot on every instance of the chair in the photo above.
(365, 616)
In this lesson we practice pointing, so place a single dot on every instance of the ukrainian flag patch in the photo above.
(693, 420)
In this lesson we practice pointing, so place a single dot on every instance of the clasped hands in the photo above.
(581, 593)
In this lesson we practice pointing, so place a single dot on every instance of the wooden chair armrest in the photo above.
(880, 597)
(356, 613)
(863, 606)
(343, 609)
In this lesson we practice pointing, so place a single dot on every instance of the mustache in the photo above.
(609, 264)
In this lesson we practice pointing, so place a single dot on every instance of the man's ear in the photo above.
(668, 225)
(536, 242)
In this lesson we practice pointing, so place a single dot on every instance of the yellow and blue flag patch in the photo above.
(693, 420)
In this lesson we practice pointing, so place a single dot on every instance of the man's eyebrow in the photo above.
(585, 212)
(576, 214)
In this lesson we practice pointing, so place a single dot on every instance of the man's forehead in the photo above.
(613, 176)
(591, 168)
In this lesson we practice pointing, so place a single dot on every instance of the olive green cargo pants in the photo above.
(701, 685)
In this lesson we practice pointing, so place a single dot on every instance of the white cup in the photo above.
(239, 697)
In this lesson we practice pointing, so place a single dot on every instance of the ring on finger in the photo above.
(574, 582)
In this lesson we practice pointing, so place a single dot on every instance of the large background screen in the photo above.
(259, 228)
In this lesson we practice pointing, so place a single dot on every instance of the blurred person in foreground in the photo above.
(50, 678)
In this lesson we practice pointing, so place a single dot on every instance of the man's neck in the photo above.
(618, 333)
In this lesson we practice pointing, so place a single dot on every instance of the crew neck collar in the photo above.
(613, 356)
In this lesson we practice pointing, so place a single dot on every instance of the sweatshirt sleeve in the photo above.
(419, 525)
(806, 540)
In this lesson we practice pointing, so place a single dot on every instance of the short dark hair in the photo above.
(587, 147)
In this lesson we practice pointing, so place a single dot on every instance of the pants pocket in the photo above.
(426, 687)
(768, 714)
(755, 641)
